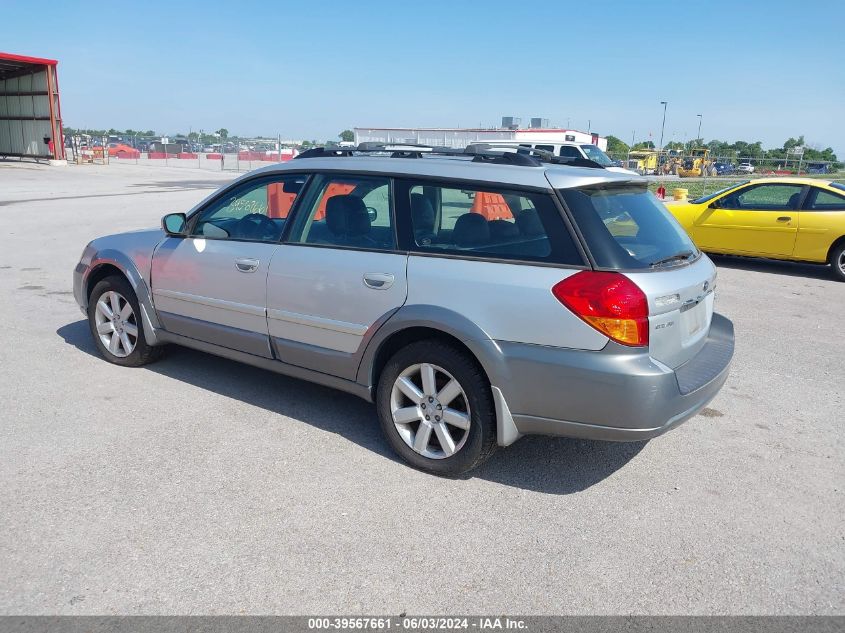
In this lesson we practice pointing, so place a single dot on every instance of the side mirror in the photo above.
(175, 224)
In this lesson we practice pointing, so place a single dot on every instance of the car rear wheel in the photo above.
(114, 317)
(837, 262)
(436, 408)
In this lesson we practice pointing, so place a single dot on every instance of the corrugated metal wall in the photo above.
(443, 138)
(25, 115)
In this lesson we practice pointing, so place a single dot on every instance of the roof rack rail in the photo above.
(319, 152)
(480, 153)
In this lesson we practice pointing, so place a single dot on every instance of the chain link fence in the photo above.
(227, 155)
(698, 174)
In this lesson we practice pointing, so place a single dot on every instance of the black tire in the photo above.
(142, 353)
(480, 442)
(837, 261)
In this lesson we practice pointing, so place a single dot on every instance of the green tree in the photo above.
(223, 132)
(616, 146)
(347, 136)
(792, 143)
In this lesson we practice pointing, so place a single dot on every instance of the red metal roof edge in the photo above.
(28, 60)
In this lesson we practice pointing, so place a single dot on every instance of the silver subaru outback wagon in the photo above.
(473, 296)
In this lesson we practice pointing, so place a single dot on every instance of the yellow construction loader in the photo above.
(697, 164)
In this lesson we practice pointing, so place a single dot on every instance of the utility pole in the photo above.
(663, 125)
(699, 126)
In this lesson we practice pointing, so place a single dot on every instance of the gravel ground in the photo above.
(201, 486)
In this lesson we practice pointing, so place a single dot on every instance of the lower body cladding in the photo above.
(617, 394)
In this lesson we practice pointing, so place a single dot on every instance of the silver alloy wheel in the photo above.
(430, 411)
(841, 262)
(116, 324)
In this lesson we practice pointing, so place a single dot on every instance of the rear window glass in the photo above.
(628, 228)
(494, 223)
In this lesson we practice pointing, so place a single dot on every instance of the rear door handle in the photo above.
(784, 218)
(378, 281)
(246, 265)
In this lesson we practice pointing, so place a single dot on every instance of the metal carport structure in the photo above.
(29, 108)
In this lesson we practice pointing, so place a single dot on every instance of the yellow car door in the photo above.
(822, 223)
(759, 220)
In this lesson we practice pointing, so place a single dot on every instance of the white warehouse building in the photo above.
(461, 137)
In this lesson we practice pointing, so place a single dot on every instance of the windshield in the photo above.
(709, 197)
(596, 155)
(628, 228)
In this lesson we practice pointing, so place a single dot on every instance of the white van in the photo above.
(572, 150)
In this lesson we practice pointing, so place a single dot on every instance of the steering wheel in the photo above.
(257, 226)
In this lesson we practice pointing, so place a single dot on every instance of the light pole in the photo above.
(663, 125)
(699, 127)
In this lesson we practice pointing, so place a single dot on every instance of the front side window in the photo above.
(494, 223)
(627, 228)
(775, 197)
(715, 194)
(821, 200)
(348, 211)
(255, 211)
(570, 151)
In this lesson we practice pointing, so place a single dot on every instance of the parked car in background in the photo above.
(818, 168)
(122, 150)
(473, 297)
(800, 219)
(745, 168)
(585, 151)
(723, 169)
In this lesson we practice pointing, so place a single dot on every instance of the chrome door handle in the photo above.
(246, 265)
(378, 281)
(784, 218)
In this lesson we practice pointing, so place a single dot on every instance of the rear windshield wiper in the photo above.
(682, 255)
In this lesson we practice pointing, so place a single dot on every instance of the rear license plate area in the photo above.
(693, 317)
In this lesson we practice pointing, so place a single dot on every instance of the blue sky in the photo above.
(755, 70)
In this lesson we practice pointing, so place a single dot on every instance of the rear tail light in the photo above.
(610, 302)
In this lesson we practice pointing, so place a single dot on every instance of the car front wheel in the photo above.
(436, 408)
(114, 317)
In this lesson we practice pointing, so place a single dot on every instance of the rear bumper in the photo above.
(617, 394)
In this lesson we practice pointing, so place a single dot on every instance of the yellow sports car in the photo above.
(800, 219)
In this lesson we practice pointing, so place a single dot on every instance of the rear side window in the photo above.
(821, 200)
(346, 211)
(627, 228)
(494, 223)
